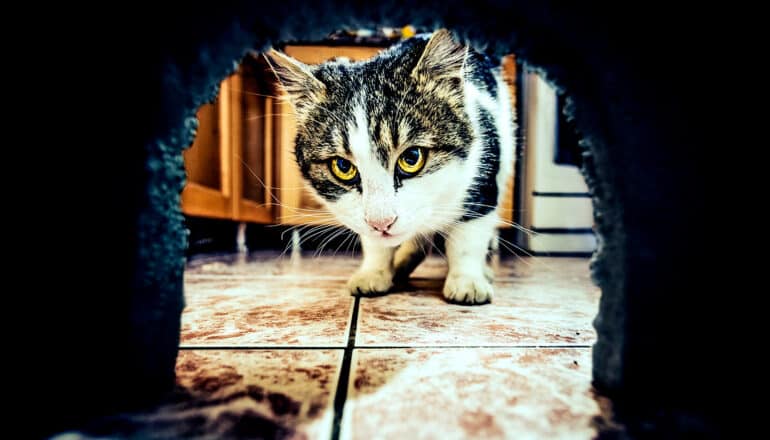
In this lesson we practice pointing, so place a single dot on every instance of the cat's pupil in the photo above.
(411, 156)
(343, 165)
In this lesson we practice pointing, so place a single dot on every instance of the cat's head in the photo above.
(383, 142)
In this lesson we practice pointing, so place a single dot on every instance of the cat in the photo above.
(414, 141)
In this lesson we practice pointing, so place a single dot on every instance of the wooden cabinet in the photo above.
(242, 167)
(230, 164)
(207, 193)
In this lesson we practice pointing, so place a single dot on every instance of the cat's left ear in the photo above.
(442, 58)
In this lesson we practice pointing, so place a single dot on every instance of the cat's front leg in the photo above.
(375, 276)
(466, 249)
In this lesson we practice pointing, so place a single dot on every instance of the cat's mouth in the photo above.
(387, 236)
(390, 239)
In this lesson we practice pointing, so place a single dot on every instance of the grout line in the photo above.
(367, 347)
(261, 347)
(417, 347)
(344, 378)
(249, 277)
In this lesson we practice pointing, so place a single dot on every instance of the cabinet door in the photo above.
(252, 134)
(207, 163)
(229, 166)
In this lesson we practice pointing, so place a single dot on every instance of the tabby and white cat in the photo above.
(414, 141)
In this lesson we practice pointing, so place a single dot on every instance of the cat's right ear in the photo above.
(296, 79)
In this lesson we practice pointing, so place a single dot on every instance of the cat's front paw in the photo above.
(467, 289)
(370, 282)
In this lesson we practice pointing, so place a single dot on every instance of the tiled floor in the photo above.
(276, 348)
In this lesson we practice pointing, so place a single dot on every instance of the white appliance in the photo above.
(554, 200)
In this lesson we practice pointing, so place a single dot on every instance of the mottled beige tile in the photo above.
(330, 265)
(493, 393)
(264, 300)
(557, 270)
(237, 394)
(287, 312)
(274, 264)
(538, 301)
(560, 271)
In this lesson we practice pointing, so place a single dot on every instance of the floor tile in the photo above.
(537, 302)
(261, 264)
(282, 312)
(457, 393)
(274, 264)
(551, 270)
(237, 394)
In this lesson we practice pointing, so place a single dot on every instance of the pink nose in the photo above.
(381, 224)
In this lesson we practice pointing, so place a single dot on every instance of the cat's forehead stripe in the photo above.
(384, 133)
(358, 135)
(383, 143)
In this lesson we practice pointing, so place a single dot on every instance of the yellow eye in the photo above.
(343, 169)
(412, 160)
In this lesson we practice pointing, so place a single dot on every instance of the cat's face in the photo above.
(384, 142)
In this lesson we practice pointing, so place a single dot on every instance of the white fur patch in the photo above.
(360, 144)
